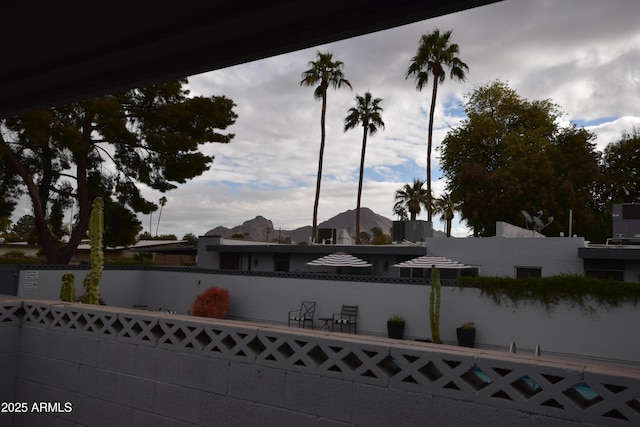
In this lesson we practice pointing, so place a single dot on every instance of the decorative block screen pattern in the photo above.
(523, 383)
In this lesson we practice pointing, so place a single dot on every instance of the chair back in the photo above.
(349, 311)
(307, 309)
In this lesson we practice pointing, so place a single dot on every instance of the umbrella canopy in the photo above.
(428, 261)
(339, 259)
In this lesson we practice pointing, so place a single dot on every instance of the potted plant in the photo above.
(395, 327)
(466, 334)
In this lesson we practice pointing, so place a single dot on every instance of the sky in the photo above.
(584, 55)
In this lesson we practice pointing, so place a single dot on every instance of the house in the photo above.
(513, 252)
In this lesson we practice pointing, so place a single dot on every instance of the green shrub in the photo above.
(551, 291)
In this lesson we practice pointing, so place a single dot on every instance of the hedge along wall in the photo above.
(604, 333)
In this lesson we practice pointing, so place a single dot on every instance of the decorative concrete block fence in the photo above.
(108, 366)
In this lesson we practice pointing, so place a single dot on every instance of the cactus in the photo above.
(68, 289)
(96, 229)
(434, 305)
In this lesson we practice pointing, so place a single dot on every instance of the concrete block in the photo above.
(100, 413)
(257, 383)
(40, 341)
(133, 391)
(446, 411)
(183, 335)
(157, 364)
(177, 402)
(61, 374)
(268, 416)
(8, 375)
(33, 392)
(378, 406)
(81, 349)
(32, 367)
(147, 419)
(117, 356)
(10, 313)
(9, 339)
(204, 373)
(96, 382)
(41, 419)
(313, 394)
(139, 328)
(279, 350)
(226, 411)
(325, 422)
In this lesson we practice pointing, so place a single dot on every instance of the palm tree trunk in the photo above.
(429, 145)
(314, 228)
(364, 148)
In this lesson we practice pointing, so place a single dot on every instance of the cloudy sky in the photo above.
(582, 54)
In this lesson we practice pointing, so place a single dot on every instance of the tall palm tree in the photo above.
(412, 197)
(368, 113)
(447, 207)
(435, 53)
(162, 201)
(324, 72)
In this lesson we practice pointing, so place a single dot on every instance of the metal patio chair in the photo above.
(346, 318)
(303, 315)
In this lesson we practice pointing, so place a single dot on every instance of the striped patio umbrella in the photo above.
(428, 261)
(339, 259)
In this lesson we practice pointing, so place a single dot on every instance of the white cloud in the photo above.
(581, 54)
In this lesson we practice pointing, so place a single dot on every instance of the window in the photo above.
(281, 262)
(528, 272)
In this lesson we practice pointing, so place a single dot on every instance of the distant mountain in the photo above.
(261, 229)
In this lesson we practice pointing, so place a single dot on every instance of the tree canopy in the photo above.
(510, 154)
(107, 147)
(410, 198)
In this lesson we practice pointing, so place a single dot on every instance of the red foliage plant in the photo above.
(214, 302)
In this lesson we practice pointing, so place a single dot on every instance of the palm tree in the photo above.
(366, 112)
(324, 72)
(162, 201)
(446, 207)
(412, 197)
(434, 54)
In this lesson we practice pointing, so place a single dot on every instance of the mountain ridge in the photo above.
(261, 229)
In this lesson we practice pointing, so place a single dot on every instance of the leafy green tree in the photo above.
(149, 136)
(323, 72)
(510, 155)
(379, 237)
(434, 56)
(192, 239)
(447, 207)
(367, 113)
(412, 198)
(622, 168)
(401, 212)
(24, 227)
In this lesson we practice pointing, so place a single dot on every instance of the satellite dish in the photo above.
(536, 222)
(527, 218)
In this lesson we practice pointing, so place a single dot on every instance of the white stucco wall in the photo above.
(499, 256)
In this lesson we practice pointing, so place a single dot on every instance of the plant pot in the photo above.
(395, 330)
(466, 337)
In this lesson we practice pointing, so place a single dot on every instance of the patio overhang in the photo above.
(58, 52)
